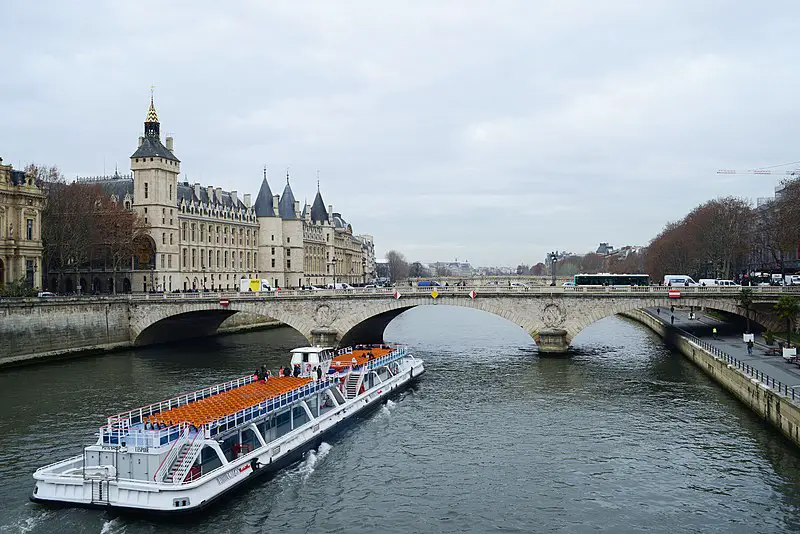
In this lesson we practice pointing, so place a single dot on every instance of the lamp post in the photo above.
(333, 262)
(553, 260)
(364, 270)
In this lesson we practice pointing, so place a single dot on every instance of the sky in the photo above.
(488, 132)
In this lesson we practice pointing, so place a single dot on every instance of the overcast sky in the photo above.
(491, 132)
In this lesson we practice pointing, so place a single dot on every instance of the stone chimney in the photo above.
(169, 143)
(330, 213)
(246, 199)
(275, 200)
(210, 191)
(297, 209)
(218, 194)
(197, 192)
(308, 213)
(141, 140)
(235, 198)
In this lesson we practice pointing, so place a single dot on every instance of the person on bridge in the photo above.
(714, 332)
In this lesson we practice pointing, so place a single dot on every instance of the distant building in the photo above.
(604, 249)
(451, 268)
(21, 204)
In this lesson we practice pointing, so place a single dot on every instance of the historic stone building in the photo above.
(204, 238)
(21, 203)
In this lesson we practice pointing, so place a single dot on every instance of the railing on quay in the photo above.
(776, 385)
(269, 405)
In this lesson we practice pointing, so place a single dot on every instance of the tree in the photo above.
(119, 234)
(591, 263)
(417, 270)
(398, 266)
(745, 301)
(523, 269)
(539, 269)
(787, 308)
(18, 288)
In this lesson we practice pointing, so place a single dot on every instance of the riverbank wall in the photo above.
(770, 399)
(34, 331)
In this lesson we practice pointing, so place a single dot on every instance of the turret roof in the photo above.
(318, 211)
(263, 205)
(286, 203)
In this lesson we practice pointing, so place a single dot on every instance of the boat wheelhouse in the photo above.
(182, 453)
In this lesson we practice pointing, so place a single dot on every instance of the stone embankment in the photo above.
(771, 399)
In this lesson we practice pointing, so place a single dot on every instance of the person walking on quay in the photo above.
(672, 319)
(658, 310)
(750, 347)
(714, 332)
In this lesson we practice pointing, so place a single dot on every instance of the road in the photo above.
(729, 340)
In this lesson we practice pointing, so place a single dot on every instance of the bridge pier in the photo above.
(324, 337)
(552, 341)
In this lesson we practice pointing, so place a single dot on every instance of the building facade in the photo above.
(21, 204)
(204, 238)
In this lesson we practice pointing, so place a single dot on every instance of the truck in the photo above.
(254, 284)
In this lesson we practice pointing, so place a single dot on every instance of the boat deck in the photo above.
(361, 356)
(210, 409)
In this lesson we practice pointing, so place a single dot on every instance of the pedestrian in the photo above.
(672, 319)
(714, 332)
(658, 310)
(749, 347)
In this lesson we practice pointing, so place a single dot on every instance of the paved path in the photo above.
(729, 340)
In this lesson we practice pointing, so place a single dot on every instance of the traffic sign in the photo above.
(224, 303)
(472, 294)
(396, 294)
(674, 293)
(434, 294)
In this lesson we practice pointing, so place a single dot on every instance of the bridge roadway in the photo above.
(553, 316)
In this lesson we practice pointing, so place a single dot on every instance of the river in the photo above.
(623, 436)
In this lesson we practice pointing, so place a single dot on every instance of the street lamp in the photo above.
(553, 260)
(333, 262)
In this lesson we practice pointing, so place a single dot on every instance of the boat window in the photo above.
(305, 357)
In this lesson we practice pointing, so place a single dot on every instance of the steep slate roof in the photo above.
(338, 221)
(151, 147)
(286, 203)
(318, 211)
(186, 192)
(118, 187)
(263, 205)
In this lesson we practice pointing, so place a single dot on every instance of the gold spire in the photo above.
(151, 113)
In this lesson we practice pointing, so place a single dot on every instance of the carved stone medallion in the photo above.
(324, 315)
(553, 315)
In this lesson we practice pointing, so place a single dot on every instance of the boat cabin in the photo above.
(313, 357)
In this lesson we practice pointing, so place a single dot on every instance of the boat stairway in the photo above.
(352, 385)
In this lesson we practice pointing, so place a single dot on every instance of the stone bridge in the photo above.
(553, 316)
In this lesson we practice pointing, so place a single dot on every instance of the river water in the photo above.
(623, 436)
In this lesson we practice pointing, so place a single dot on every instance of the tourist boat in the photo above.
(181, 454)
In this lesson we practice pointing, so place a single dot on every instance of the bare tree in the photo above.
(398, 266)
(120, 233)
(591, 263)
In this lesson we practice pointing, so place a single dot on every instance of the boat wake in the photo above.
(29, 523)
(114, 525)
(387, 408)
(312, 459)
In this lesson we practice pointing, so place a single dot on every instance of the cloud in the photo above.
(493, 131)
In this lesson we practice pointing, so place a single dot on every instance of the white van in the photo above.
(340, 286)
(710, 282)
(679, 280)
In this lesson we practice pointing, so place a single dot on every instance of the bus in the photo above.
(606, 279)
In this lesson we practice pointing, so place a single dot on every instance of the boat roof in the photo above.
(312, 349)
(203, 411)
(361, 356)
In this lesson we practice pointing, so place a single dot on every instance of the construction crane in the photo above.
(795, 172)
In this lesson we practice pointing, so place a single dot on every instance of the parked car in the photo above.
(568, 285)
(428, 283)
(678, 280)
(340, 286)
(45, 294)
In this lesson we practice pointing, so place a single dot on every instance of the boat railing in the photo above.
(397, 353)
(346, 350)
(247, 414)
(132, 417)
(139, 437)
(172, 454)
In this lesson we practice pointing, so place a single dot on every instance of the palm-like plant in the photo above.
(745, 301)
(787, 308)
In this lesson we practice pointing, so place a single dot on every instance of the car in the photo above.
(312, 288)
(518, 284)
(568, 284)
(45, 294)
(428, 283)
(369, 286)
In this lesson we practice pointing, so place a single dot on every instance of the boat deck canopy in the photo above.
(210, 409)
